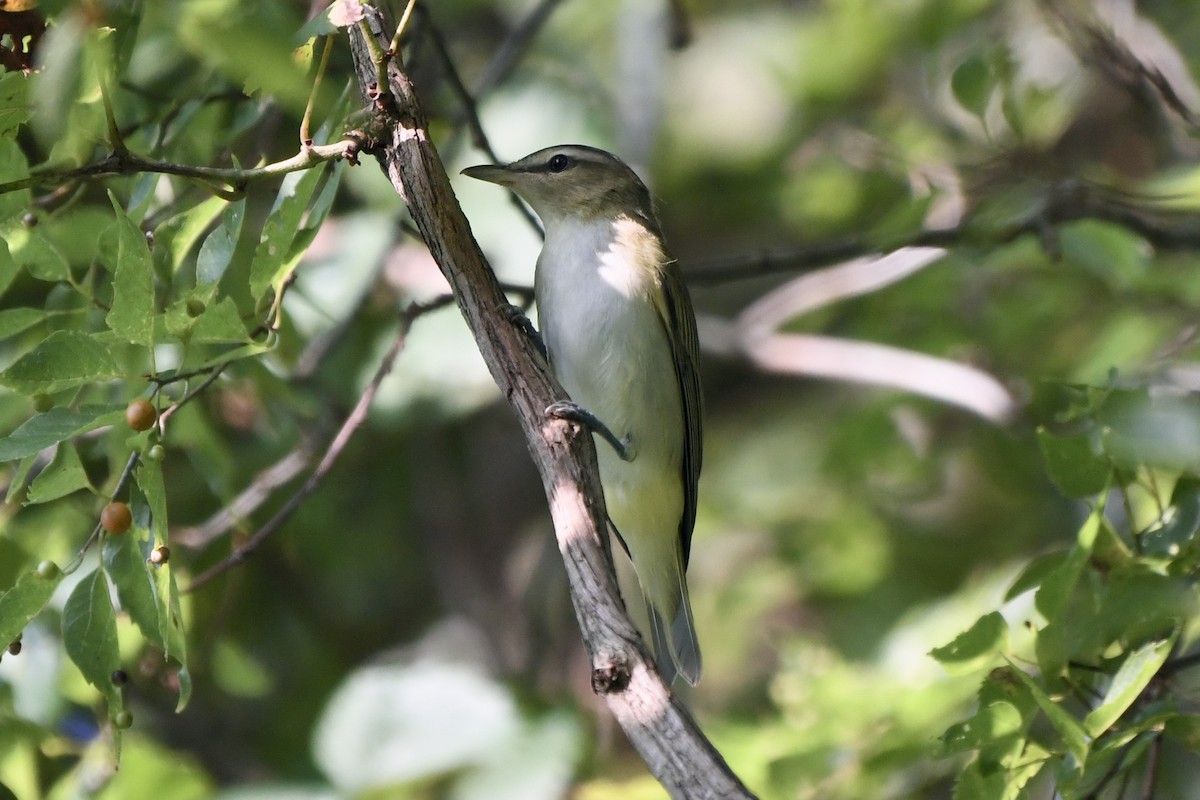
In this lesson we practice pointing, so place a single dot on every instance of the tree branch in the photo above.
(1070, 201)
(656, 723)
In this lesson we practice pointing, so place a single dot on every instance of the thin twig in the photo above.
(332, 452)
(479, 137)
(306, 140)
(122, 481)
(1070, 201)
(394, 47)
(235, 179)
(249, 499)
(513, 48)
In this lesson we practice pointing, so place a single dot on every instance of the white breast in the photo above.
(609, 350)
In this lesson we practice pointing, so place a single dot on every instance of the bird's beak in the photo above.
(492, 173)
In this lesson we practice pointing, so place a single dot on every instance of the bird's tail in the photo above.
(676, 648)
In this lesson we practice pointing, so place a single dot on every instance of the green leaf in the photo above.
(41, 259)
(1073, 735)
(8, 266)
(274, 253)
(219, 246)
(132, 313)
(972, 85)
(1034, 573)
(1056, 588)
(16, 482)
(220, 322)
(991, 724)
(171, 635)
(56, 425)
(1135, 674)
(1074, 462)
(13, 167)
(16, 320)
(23, 602)
(125, 560)
(180, 233)
(89, 630)
(64, 360)
(975, 648)
(1184, 728)
(63, 475)
(14, 108)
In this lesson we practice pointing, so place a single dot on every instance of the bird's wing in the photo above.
(675, 309)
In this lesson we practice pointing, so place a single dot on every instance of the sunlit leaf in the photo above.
(24, 601)
(1058, 584)
(274, 255)
(976, 647)
(89, 631)
(217, 250)
(14, 108)
(1073, 735)
(1136, 672)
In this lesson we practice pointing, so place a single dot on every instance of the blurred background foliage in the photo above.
(408, 632)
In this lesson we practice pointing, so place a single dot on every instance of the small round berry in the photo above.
(120, 677)
(156, 453)
(116, 518)
(42, 403)
(150, 238)
(194, 307)
(14, 647)
(160, 554)
(48, 570)
(29, 219)
(141, 414)
(123, 720)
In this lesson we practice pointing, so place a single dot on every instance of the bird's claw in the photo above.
(572, 412)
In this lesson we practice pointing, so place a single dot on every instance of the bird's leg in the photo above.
(517, 317)
(572, 412)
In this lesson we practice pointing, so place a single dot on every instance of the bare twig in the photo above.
(234, 180)
(249, 500)
(509, 54)
(1070, 201)
(470, 112)
(657, 724)
(332, 452)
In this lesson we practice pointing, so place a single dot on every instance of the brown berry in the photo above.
(160, 554)
(116, 517)
(141, 414)
(14, 648)
(120, 677)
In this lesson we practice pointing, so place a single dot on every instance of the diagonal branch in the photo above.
(655, 721)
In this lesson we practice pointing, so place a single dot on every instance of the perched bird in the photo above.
(620, 336)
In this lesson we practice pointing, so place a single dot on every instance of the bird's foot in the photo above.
(572, 412)
(516, 316)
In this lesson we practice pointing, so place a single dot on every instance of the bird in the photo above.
(619, 334)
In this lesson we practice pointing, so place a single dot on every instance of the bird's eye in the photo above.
(558, 162)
